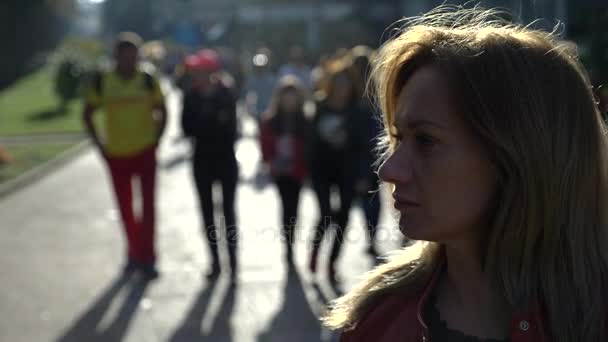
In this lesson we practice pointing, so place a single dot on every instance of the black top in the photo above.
(337, 141)
(211, 121)
(439, 331)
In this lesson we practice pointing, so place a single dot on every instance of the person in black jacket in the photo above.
(209, 117)
(335, 155)
(367, 188)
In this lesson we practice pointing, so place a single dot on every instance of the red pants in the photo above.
(139, 231)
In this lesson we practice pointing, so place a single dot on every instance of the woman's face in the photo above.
(201, 78)
(443, 182)
(289, 101)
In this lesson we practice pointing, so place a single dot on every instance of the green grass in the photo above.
(30, 105)
(28, 156)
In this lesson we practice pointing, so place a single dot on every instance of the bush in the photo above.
(73, 62)
(68, 79)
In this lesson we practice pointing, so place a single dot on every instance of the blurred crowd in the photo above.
(316, 125)
(316, 128)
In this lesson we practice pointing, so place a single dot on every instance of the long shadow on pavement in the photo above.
(177, 159)
(209, 316)
(295, 321)
(87, 327)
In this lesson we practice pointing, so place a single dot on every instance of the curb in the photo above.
(42, 138)
(39, 172)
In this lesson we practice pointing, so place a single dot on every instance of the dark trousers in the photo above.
(139, 231)
(323, 186)
(226, 177)
(289, 192)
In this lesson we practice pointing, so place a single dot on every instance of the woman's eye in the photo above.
(425, 140)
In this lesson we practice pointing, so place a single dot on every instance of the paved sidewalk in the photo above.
(63, 250)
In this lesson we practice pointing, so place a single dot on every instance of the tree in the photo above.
(27, 27)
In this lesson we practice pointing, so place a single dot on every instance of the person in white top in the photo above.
(297, 67)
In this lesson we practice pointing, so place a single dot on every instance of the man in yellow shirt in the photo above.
(134, 121)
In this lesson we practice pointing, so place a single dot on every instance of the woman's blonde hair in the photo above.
(528, 101)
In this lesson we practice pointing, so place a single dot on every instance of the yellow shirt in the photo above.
(128, 106)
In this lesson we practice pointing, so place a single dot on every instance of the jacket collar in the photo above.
(525, 325)
(428, 290)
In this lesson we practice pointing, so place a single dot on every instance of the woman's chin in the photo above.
(413, 230)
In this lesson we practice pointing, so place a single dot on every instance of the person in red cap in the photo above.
(209, 118)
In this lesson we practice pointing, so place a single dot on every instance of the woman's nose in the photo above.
(397, 168)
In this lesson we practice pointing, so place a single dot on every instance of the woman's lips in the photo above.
(402, 203)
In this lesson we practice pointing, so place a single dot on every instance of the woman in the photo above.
(497, 157)
(209, 116)
(282, 137)
(335, 158)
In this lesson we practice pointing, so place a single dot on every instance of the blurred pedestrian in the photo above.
(296, 66)
(134, 116)
(496, 154)
(367, 188)
(283, 137)
(209, 118)
(317, 75)
(337, 139)
(259, 85)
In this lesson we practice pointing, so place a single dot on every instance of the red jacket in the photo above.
(269, 141)
(398, 317)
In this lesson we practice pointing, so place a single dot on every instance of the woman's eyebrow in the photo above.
(417, 123)
(408, 119)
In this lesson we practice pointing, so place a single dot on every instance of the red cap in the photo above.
(191, 62)
(206, 59)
